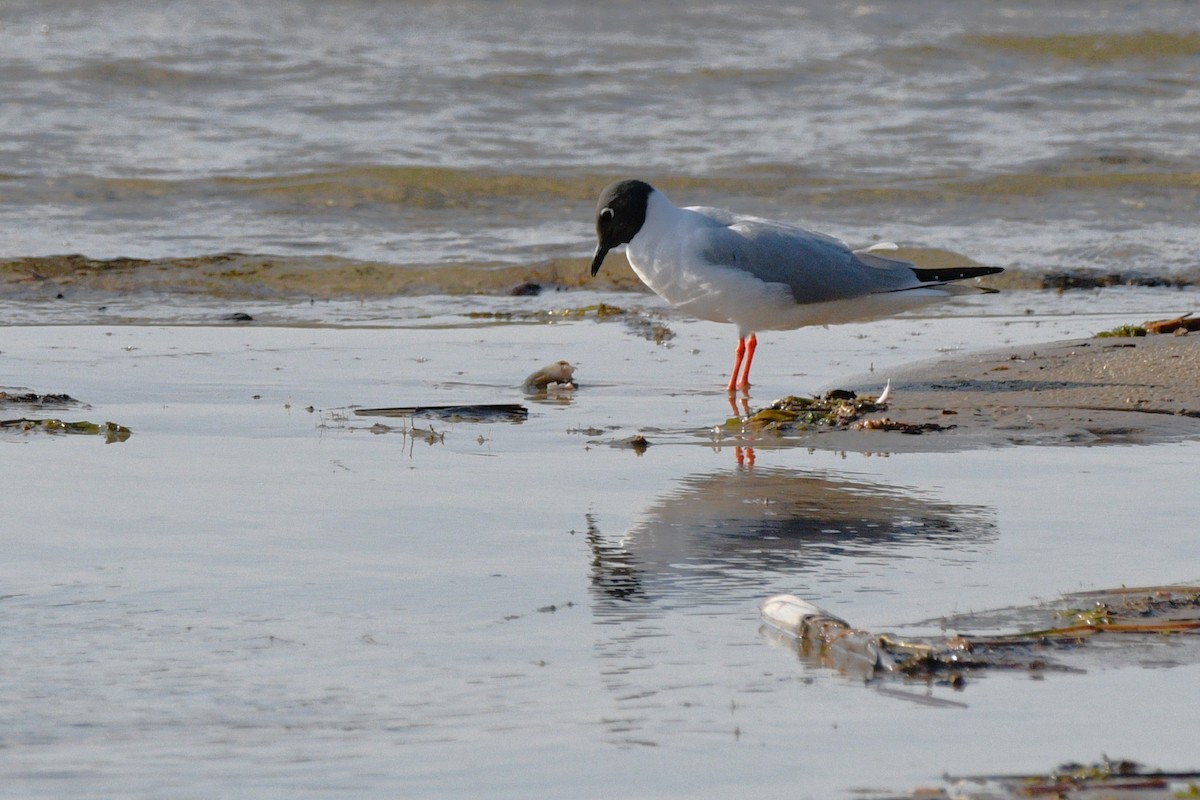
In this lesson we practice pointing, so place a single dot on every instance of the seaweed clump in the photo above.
(36, 399)
(1122, 331)
(837, 409)
(111, 431)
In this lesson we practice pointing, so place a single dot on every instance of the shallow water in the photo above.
(250, 596)
(1043, 137)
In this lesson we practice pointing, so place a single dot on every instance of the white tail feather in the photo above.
(878, 248)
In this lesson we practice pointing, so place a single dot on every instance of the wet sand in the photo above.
(1134, 390)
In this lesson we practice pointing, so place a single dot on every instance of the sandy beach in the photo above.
(1126, 390)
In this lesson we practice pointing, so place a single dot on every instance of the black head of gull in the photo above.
(620, 214)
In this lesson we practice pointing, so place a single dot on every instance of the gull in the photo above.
(757, 273)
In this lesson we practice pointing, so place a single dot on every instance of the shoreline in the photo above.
(1072, 390)
(237, 275)
(1139, 390)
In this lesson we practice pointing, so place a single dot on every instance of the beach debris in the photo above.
(28, 398)
(638, 443)
(475, 412)
(409, 433)
(837, 408)
(556, 376)
(886, 424)
(1122, 331)
(590, 430)
(885, 395)
(111, 431)
(1176, 325)
(829, 641)
(1108, 778)
(526, 289)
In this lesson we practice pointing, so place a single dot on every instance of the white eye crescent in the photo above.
(606, 213)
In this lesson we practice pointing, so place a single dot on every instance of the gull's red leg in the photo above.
(751, 346)
(737, 363)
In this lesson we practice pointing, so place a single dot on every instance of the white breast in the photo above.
(666, 255)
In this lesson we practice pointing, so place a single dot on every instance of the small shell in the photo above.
(886, 394)
(559, 372)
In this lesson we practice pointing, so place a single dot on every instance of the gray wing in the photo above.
(816, 267)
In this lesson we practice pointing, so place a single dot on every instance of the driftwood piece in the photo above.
(1184, 323)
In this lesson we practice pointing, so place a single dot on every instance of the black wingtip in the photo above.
(953, 273)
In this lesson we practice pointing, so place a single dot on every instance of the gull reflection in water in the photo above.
(730, 535)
